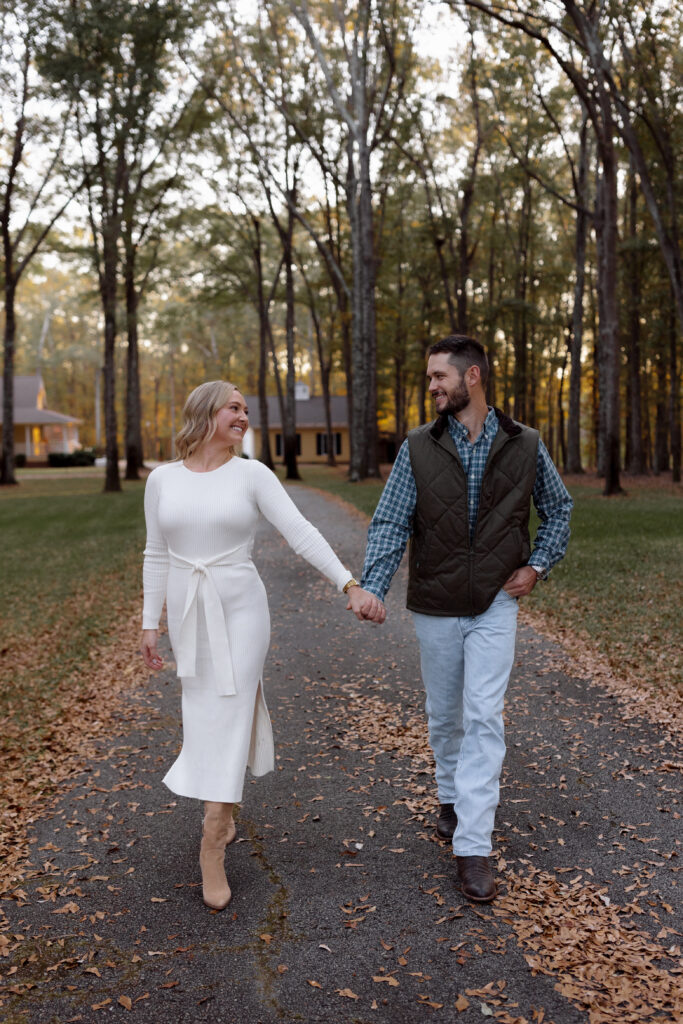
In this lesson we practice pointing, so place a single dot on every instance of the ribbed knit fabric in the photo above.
(202, 518)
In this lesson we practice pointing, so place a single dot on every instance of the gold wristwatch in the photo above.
(351, 583)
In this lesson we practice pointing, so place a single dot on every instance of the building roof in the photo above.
(30, 417)
(310, 412)
(29, 403)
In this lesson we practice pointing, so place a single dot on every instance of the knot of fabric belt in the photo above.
(217, 633)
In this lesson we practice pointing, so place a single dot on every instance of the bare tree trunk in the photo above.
(368, 315)
(647, 426)
(265, 457)
(573, 456)
(506, 377)
(363, 336)
(157, 439)
(325, 365)
(661, 462)
(112, 480)
(492, 386)
(674, 399)
(550, 437)
(7, 476)
(134, 454)
(171, 396)
(289, 421)
(466, 202)
(562, 438)
(520, 315)
(606, 235)
(636, 461)
(596, 433)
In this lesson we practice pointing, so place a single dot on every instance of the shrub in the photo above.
(81, 457)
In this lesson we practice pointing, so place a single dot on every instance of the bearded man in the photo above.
(460, 490)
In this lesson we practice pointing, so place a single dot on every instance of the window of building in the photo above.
(321, 443)
(280, 445)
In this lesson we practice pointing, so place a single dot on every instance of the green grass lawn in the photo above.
(71, 561)
(620, 582)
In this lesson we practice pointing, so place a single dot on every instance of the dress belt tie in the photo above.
(186, 653)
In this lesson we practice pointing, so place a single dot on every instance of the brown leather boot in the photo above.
(476, 879)
(219, 831)
(447, 822)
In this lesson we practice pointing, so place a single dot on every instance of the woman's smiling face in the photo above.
(232, 420)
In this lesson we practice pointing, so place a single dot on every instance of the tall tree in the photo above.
(110, 58)
(592, 84)
(34, 191)
(364, 51)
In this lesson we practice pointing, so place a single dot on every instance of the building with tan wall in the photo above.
(311, 429)
(37, 429)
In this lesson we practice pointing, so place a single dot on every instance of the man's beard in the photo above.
(457, 400)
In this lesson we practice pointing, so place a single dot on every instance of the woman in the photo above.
(201, 513)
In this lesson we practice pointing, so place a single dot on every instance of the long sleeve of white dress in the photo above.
(155, 565)
(304, 539)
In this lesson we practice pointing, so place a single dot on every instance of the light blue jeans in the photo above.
(466, 663)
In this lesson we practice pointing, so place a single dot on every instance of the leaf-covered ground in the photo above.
(71, 596)
(345, 906)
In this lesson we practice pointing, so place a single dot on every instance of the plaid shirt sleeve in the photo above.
(554, 506)
(391, 526)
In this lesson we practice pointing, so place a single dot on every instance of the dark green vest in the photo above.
(448, 575)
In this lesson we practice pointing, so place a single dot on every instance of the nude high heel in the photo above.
(218, 832)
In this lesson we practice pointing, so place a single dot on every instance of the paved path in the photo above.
(344, 904)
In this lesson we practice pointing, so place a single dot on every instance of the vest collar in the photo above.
(440, 425)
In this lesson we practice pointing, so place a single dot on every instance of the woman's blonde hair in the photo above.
(199, 415)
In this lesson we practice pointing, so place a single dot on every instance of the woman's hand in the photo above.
(148, 649)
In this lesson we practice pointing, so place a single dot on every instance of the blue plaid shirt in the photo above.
(391, 524)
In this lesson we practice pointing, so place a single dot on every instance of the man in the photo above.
(460, 489)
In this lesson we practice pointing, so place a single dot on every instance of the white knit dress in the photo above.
(200, 535)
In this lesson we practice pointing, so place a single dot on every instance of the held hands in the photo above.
(148, 649)
(365, 605)
(522, 582)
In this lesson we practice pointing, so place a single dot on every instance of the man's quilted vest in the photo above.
(448, 574)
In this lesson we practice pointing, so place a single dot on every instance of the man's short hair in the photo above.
(463, 352)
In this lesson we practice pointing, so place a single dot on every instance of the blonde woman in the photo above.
(201, 513)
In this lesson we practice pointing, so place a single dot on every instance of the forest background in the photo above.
(268, 192)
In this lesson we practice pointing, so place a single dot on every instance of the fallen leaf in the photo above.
(347, 993)
(126, 1002)
(314, 984)
(461, 1003)
(68, 908)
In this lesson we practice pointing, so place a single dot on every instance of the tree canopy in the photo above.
(297, 189)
